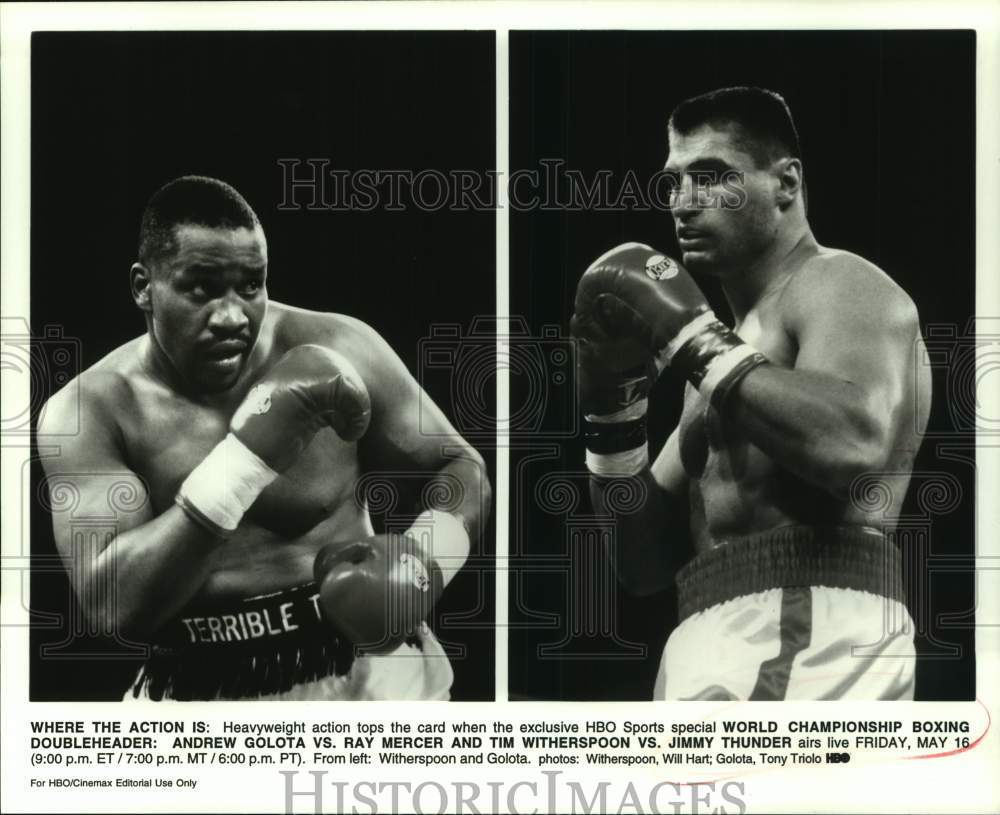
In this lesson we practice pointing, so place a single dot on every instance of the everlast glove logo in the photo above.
(659, 267)
(259, 399)
(416, 571)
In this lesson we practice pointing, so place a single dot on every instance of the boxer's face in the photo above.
(206, 303)
(724, 207)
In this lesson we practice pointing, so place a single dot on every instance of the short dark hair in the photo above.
(190, 199)
(766, 129)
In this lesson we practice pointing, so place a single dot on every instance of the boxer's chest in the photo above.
(165, 441)
(710, 447)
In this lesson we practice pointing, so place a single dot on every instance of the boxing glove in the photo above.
(614, 405)
(309, 387)
(377, 591)
(638, 304)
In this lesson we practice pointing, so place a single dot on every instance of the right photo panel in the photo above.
(757, 251)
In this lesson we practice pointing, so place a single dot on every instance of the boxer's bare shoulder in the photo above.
(83, 441)
(389, 382)
(100, 393)
(848, 318)
(846, 286)
(357, 340)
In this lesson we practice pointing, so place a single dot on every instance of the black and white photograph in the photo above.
(491, 407)
(761, 246)
(254, 479)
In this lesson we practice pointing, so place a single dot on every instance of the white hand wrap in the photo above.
(620, 463)
(444, 538)
(223, 487)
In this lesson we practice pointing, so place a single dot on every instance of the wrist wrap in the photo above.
(713, 358)
(224, 486)
(616, 442)
(445, 543)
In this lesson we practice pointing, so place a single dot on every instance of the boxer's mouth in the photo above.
(226, 355)
(687, 235)
(225, 349)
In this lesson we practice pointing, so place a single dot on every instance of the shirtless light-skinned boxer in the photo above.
(793, 591)
(243, 426)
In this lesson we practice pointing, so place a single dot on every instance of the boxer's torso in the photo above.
(164, 435)
(735, 488)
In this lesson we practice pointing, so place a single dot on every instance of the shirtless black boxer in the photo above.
(243, 426)
(793, 591)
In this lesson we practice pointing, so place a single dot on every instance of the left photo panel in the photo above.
(263, 365)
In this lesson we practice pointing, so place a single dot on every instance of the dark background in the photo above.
(116, 115)
(887, 125)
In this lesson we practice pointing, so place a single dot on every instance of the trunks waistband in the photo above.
(264, 617)
(844, 557)
(245, 648)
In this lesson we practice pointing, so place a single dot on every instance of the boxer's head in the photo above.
(200, 280)
(734, 155)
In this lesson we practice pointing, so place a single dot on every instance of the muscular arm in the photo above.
(836, 413)
(142, 573)
(410, 434)
(651, 532)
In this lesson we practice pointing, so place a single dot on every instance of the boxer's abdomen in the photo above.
(739, 490)
(757, 496)
(257, 560)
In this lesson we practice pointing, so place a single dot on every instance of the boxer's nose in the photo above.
(228, 315)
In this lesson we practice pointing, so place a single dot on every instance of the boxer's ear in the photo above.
(140, 281)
